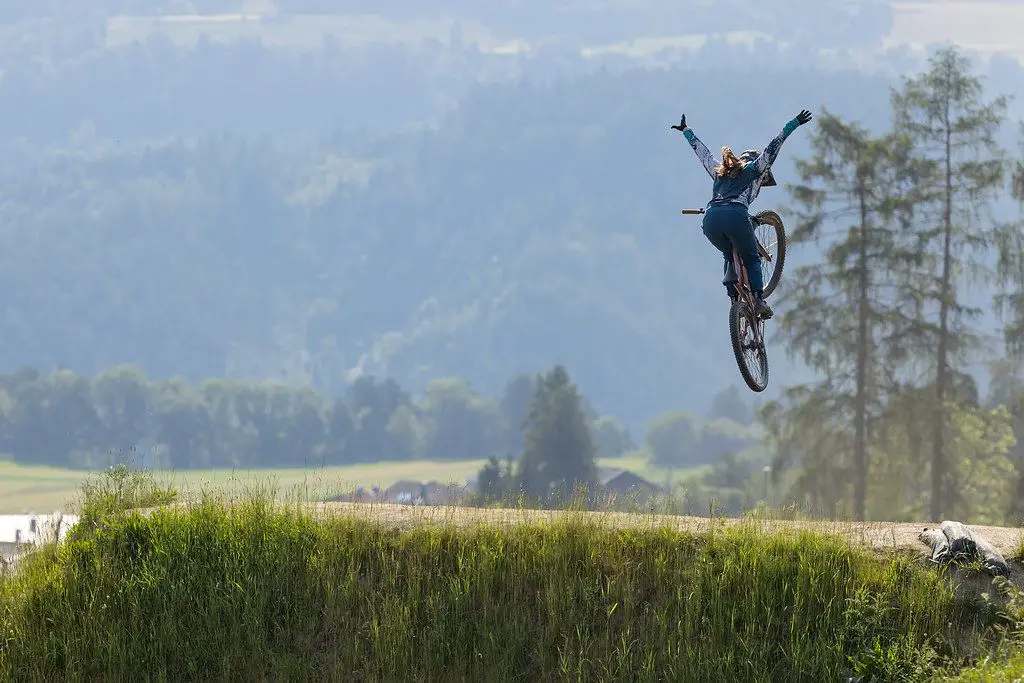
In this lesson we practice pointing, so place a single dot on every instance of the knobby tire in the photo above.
(772, 219)
(737, 312)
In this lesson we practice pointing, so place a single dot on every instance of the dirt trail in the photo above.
(880, 536)
(876, 535)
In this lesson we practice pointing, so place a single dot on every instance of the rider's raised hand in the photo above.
(682, 124)
(803, 117)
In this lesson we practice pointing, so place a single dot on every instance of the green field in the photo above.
(25, 489)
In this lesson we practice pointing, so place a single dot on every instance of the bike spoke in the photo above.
(753, 351)
(768, 242)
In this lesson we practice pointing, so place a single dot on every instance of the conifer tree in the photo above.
(559, 451)
(844, 313)
(953, 130)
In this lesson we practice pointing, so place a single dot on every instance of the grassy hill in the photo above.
(255, 593)
(260, 591)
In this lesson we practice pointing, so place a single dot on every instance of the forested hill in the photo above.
(537, 224)
(308, 197)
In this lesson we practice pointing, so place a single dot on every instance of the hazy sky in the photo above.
(992, 25)
(983, 25)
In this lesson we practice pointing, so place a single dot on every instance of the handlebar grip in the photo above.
(693, 212)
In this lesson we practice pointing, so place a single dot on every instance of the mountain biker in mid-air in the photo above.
(737, 181)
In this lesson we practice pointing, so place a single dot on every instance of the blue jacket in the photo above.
(744, 188)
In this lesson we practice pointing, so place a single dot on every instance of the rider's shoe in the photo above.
(761, 308)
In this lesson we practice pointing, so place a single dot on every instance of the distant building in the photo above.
(409, 492)
(622, 485)
(444, 494)
(406, 492)
(19, 532)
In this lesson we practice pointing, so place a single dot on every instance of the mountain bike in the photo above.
(745, 328)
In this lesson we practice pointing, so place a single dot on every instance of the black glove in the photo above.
(803, 117)
(682, 124)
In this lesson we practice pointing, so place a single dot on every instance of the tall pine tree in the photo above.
(1007, 385)
(1010, 299)
(953, 130)
(559, 452)
(843, 314)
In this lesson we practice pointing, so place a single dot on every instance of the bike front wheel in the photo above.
(748, 345)
(771, 234)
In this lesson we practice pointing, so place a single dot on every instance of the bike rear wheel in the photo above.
(751, 356)
(771, 234)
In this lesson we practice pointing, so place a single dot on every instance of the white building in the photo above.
(18, 532)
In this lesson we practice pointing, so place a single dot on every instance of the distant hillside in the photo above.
(538, 224)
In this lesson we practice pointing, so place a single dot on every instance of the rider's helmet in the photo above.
(751, 155)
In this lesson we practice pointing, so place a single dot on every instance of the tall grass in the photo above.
(118, 490)
(259, 590)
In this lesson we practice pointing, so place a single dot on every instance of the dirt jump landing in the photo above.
(880, 536)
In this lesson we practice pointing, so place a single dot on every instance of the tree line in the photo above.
(66, 419)
(892, 426)
(557, 465)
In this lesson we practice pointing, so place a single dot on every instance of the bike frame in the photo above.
(742, 287)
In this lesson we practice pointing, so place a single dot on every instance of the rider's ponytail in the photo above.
(730, 165)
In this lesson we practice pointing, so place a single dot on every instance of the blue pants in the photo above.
(726, 225)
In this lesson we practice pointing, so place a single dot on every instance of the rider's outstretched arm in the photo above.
(771, 152)
(705, 156)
